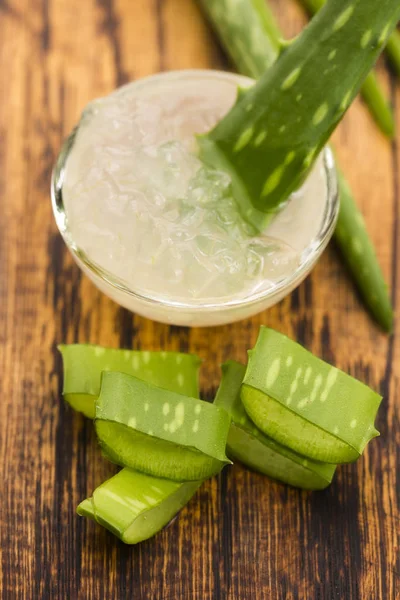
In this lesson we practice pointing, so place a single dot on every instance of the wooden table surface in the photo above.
(242, 536)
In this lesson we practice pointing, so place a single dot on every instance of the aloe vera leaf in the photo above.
(250, 446)
(392, 46)
(306, 404)
(84, 363)
(359, 254)
(227, 18)
(298, 102)
(132, 505)
(135, 506)
(159, 432)
(248, 32)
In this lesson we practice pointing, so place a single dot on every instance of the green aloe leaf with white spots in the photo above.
(249, 33)
(306, 404)
(159, 432)
(392, 47)
(251, 37)
(84, 363)
(250, 446)
(132, 505)
(274, 133)
(135, 506)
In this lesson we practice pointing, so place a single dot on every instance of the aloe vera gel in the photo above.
(144, 209)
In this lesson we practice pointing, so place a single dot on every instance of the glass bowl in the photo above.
(196, 314)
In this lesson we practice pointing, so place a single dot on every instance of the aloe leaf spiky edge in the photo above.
(392, 47)
(234, 31)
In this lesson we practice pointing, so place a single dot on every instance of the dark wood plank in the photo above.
(242, 536)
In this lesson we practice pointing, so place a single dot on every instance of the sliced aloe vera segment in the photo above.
(160, 432)
(306, 404)
(250, 446)
(135, 506)
(84, 363)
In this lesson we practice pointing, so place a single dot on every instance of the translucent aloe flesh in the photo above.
(393, 44)
(135, 506)
(159, 432)
(306, 404)
(299, 101)
(254, 47)
(250, 446)
(83, 365)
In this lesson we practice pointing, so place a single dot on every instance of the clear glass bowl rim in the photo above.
(310, 254)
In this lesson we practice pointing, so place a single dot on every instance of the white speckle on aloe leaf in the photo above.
(320, 114)
(336, 430)
(282, 129)
(273, 372)
(244, 139)
(384, 35)
(156, 489)
(291, 79)
(181, 380)
(180, 413)
(135, 362)
(150, 432)
(195, 427)
(289, 361)
(172, 427)
(343, 18)
(332, 54)
(163, 355)
(166, 408)
(273, 181)
(132, 422)
(166, 426)
(179, 359)
(310, 157)
(357, 246)
(197, 409)
(146, 407)
(299, 97)
(290, 157)
(366, 38)
(307, 375)
(346, 101)
(303, 403)
(353, 423)
(260, 138)
(330, 382)
(149, 499)
(99, 351)
(316, 386)
(146, 357)
(126, 354)
(299, 372)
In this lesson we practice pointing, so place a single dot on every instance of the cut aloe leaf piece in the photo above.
(135, 506)
(84, 363)
(306, 404)
(250, 446)
(162, 433)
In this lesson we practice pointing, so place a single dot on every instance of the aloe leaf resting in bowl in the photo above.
(249, 33)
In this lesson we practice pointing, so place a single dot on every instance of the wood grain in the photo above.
(242, 536)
